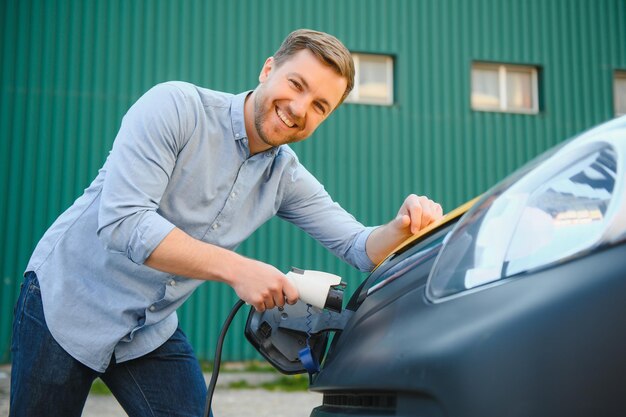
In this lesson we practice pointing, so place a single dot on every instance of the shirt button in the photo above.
(214, 226)
(152, 308)
(172, 283)
(233, 194)
(236, 135)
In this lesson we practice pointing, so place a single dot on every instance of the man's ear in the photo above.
(267, 68)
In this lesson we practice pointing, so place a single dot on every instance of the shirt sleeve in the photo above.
(307, 205)
(137, 172)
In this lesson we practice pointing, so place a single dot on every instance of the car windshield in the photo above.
(531, 224)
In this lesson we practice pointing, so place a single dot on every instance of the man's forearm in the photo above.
(180, 254)
(257, 283)
(382, 241)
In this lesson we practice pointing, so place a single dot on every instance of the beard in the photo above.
(260, 115)
(263, 110)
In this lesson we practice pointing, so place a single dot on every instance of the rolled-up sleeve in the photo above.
(308, 206)
(138, 170)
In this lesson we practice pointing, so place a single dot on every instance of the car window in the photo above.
(536, 222)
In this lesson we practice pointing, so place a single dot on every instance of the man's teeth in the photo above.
(284, 118)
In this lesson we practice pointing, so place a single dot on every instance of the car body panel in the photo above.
(499, 354)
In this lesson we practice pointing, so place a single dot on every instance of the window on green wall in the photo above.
(619, 93)
(373, 79)
(505, 88)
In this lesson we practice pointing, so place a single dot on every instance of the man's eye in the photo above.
(296, 84)
(321, 108)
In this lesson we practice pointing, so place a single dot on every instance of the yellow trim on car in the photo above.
(457, 212)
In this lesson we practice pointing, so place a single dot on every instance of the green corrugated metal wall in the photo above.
(70, 69)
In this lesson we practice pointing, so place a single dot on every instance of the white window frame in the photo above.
(502, 74)
(618, 75)
(355, 96)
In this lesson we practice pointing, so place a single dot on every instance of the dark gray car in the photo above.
(514, 305)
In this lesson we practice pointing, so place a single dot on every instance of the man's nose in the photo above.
(298, 108)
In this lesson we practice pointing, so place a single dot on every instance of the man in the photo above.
(191, 174)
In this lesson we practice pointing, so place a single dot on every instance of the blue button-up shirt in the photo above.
(181, 159)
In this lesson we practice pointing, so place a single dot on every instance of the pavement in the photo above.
(5, 379)
(227, 402)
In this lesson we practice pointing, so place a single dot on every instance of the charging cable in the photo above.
(218, 357)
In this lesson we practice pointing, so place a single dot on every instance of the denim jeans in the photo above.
(47, 381)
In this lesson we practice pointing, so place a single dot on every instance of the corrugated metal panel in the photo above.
(71, 68)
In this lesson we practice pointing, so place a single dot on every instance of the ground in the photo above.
(227, 402)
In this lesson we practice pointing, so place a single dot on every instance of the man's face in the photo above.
(292, 100)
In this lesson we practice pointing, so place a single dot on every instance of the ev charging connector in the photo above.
(319, 289)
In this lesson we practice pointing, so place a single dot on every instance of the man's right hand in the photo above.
(257, 283)
(261, 285)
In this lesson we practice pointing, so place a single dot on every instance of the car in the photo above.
(512, 305)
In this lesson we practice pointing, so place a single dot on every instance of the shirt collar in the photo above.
(236, 115)
(239, 125)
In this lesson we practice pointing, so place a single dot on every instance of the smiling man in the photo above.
(290, 103)
(192, 173)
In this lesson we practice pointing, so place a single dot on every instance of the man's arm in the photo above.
(257, 283)
(415, 214)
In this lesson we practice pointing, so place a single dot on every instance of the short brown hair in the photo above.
(326, 47)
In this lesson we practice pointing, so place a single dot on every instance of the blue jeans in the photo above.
(47, 381)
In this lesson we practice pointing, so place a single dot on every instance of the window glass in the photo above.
(566, 212)
(620, 93)
(505, 88)
(530, 224)
(373, 80)
(485, 88)
(519, 88)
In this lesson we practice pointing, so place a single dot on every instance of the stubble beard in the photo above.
(261, 114)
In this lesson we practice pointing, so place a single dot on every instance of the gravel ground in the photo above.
(226, 402)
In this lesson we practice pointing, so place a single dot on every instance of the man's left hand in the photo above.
(416, 213)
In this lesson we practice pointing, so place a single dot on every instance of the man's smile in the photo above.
(286, 120)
